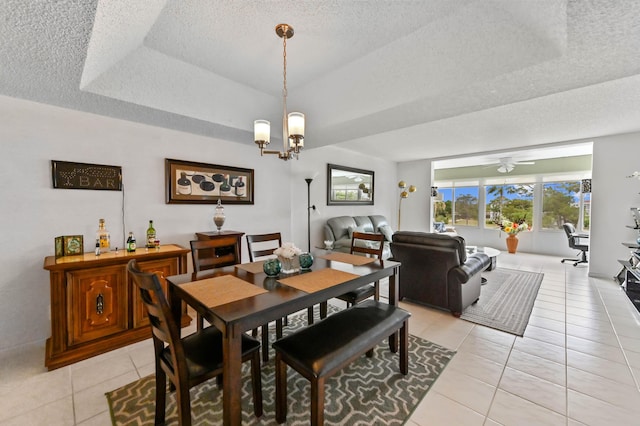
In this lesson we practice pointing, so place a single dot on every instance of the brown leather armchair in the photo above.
(437, 271)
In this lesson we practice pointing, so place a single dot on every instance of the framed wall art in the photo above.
(188, 182)
(349, 186)
(68, 175)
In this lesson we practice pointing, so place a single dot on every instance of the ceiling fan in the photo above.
(507, 164)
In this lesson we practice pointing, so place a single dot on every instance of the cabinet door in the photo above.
(162, 268)
(97, 303)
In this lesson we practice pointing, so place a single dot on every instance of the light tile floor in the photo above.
(578, 363)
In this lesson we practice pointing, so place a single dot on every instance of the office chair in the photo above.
(574, 242)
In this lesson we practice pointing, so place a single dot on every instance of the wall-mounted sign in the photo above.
(86, 176)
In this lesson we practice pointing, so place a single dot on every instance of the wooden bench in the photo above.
(322, 349)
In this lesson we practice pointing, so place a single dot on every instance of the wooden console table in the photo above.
(94, 303)
(215, 234)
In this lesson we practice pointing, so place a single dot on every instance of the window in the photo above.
(460, 203)
(512, 202)
(562, 202)
(466, 206)
(443, 208)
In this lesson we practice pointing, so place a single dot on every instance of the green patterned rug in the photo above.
(369, 391)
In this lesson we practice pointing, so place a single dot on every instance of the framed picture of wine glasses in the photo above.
(188, 182)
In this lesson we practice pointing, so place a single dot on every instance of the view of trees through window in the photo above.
(561, 202)
(509, 202)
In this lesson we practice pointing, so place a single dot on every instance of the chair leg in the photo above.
(404, 348)
(281, 389)
(376, 295)
(317, 401)
(256, 382)
(184, 403)
(310, 315)
(199, 322)
(265, 342)
(161, 395)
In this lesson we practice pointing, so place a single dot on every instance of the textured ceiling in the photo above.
(401, 80)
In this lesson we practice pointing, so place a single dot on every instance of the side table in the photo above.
(215, 234)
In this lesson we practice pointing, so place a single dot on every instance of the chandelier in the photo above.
(292, 123)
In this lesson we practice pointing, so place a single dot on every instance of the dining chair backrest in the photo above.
(163, 327)
(215, 253)
(262, 245)
(367, 243)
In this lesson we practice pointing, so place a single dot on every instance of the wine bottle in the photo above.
(102, 235)
(184, 184)
(225, 188)
(240, 187)
(131, 243)
(151, 235)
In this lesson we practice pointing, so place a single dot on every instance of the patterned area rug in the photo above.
(506, 300)
(369, 391)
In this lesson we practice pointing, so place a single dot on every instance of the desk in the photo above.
(279, 300)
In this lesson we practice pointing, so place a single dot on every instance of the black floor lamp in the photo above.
(309, 208)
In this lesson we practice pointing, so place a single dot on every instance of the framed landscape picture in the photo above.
(188, 182)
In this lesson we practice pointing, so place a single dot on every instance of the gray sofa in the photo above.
(338, 230)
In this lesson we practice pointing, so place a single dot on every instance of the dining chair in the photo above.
(259, 246)
(215, 253)
(186, 361)
(368, 244)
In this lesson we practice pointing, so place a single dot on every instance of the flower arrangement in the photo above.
(513, 228)
(287, 251)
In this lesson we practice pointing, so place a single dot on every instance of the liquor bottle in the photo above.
(151, 235)
(225, 188)
(97, 247)
(103, 237)
(184, 184)
(240, 187)
(131, 243)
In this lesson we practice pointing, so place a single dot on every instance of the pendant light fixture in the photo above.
(292, 123)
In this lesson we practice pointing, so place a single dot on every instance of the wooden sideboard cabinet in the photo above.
(95, 305)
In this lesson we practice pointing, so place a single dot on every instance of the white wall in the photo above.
(313, 163)
(33, 213)
(614, 157)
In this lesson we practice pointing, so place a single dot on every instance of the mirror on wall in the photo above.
(349, 186)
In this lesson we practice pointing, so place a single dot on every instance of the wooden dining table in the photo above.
(236, 299)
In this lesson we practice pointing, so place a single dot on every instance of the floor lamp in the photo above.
(309, 208)
(404, 193)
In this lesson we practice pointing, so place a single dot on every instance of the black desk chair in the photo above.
(576, 243)
(187, 361)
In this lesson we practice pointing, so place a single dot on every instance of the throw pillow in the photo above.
(353, 229)
(386, 231)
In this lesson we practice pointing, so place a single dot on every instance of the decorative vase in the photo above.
(289, 264)
(306, 260)
(271, 267)
(218, 216)
(512, 243)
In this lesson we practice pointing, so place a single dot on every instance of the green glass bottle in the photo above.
(131, 243)
(151, 235)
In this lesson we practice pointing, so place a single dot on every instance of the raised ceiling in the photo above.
(401, 80)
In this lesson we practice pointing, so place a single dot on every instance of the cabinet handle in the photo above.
(100, 304)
